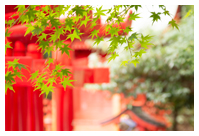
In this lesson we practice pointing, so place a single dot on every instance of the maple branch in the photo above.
(19, 17)
(123, 31)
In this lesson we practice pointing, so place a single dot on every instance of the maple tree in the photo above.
(77, 16)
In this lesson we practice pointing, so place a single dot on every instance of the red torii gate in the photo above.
(34, 62)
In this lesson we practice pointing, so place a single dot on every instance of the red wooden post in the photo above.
(18, 32)
(36, 117)
(24, 107)
(16, 103)
(19, 105)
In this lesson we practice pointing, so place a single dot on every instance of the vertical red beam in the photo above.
(15, 109)
(20, 107)
(62, 110)
(8, 106)
(12, 110)
(38, 111)
(7, 111)
(58, 97)
(36, 104)
(61, 98)
(30, 113)
(21, 102)
(70, 94)
(65, 111)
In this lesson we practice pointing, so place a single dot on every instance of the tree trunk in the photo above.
(175, 114)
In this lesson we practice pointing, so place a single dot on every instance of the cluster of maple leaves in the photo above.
(77, 16)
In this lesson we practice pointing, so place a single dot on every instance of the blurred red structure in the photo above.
(24, 108)
(28, 103)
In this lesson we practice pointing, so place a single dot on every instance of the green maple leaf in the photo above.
(44, 21)
(8, 45)
(65, 72)
(19, 74)
(58, 44)
(67, 82)
(162, 6)
(9, 86)
(133, 36)
(59, 32)
(20, 66)
(112, 48)
(48, 50)
(93, 22)
(43, 45)
(53, 37)
(166, 12)
(74, 35)
(40, 15)
(9, 22)
(42, 37)
(45, 8)
(115, 40)
(133, 16)
(77, 18)
(69, 23)
(94, 33)
(122, 39)
(142, 51)
(78, 32)
(65, 49)
(58, 67)
(127, 29)
(40, 79)
(112, 57)
(146, 38)
(50, 60)
(60, 9)
(100, 12)
(155, 16)
(51, 81)
(124, 63)
(13, 63)
(34, 75)
(7, 34)
(20, 8)
(54, 22)
(134, 62)
(29, 29)
(31, 14)
(59, 74)
(173, 24)
(9, 77)
(144, 44)
(98, 40)
(15, 14)
(114, 31)
(37, 30)
(78, 10)
(85, 21)
(135, 6)
(46, 89)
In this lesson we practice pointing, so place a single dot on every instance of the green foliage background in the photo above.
(167, 69)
